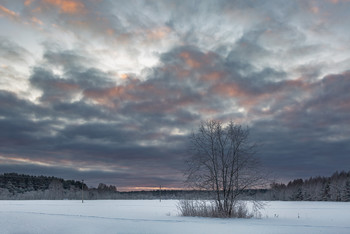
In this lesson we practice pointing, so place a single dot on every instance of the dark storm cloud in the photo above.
(258, 63)
(45, 133)
(326, 104)
(130, 124)
(309, 134)
(22, 130)
(81, 146)
(48, 132)
(295, 152)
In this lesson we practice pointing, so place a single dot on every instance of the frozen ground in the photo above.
(152, 216)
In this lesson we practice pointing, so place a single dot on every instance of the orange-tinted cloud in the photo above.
(107, 96)
(141, 96)
(266, 95)
(213, 76)
(36, 20)
(314, 10)
(125, 189)
(337, 1)
(28, 2)
(197, 60)
(110, 31)
(124, 76)
(157, 33)
(8, 13)
(104, 97)
(144, 36)
(240, 94)
(129, 92)
(67, 6)
(230, 90)
(17, 17)
(190, 60)
(66, 87)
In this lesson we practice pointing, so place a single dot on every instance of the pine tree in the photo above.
(346, 191)
(30, 186)
(298, 196)
(326, 196)
(10, 187)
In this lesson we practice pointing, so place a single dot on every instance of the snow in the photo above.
(152, 216)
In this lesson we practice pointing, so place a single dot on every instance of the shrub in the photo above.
(209, 209)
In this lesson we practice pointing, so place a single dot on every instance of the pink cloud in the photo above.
(66, 6)
(9, 13)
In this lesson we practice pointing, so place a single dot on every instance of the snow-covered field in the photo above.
(152, 216)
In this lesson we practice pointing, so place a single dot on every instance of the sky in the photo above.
(109, 91)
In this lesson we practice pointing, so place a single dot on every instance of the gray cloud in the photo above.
(12, 51)
(263, 64)
(136, 131)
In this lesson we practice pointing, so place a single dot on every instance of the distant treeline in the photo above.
(19, 183)
(334, 188)
(26, 187)
(19, 186)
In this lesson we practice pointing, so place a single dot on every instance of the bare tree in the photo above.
(223, 160)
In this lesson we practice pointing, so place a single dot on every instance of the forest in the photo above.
(28, 187)
(333, 188)
(15, 186)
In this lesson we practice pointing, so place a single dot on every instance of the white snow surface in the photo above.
(153, 216)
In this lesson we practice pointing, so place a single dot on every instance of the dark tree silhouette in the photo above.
(223, 160)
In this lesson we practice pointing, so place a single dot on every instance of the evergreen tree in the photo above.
(326, 192)
(10, 187)
(346, 192)
(298, 195)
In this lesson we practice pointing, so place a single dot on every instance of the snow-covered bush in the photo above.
(201, 208)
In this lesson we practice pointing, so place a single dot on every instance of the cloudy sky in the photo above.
(108, 91)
